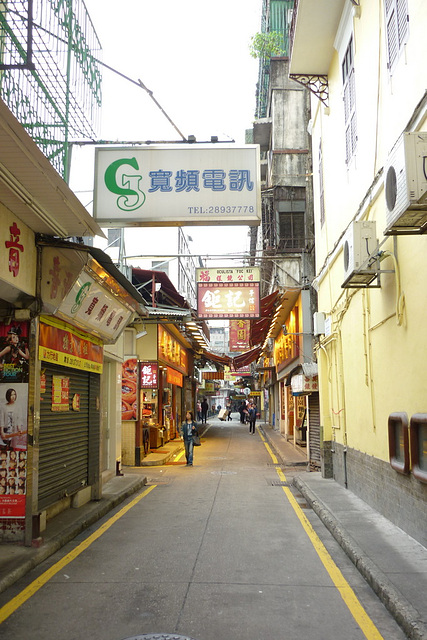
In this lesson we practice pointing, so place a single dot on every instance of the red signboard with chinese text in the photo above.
(228, 300)
(174, 377)
(148, 375)
(239, 335)
(69, 348)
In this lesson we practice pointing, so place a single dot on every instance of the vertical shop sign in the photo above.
(60, 393)
(130, 388)
(239, 335)
(149, 375)
(14, 356)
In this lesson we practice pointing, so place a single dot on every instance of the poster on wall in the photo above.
(13, 449)
(14, 352)
(14, 367)
(60, 393)
(130, 388)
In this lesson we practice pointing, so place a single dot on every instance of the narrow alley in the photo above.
(226, 550)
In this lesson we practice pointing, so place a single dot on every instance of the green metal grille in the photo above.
(49, 76)
(276, 16)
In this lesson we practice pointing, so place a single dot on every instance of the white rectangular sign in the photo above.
(174, 185)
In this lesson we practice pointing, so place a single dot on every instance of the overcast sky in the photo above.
(194, 57)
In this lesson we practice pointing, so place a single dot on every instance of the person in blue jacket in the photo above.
(188, 430)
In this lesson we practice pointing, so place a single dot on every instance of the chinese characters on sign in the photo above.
(174, 377)
(15, 247)
(169, 185)
(228, 300)
(149, 375)
(239, 274)
(60, 393)
(69, 348)
(228, 292)
(170, 351)
(239, 335)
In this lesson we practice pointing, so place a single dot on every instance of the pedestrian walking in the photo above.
(199, 410)
(228, 407)
(205, 408)
(252, 417)
(188, 430)
(242, 410)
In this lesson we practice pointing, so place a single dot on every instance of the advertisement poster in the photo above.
(60, 393)
(130, 388)
(14, 361)
(14, 352)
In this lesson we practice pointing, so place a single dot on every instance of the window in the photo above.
(398, 442)
(291, 224)
(396, 18)
(349, 86)
(418, 431)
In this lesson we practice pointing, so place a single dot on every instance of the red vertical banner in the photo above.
(239, 335)
(130, 388)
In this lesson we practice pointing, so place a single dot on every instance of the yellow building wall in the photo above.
(374, 362)
(146, 347)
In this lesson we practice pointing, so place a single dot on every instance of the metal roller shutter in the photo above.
(314, 433)
(65, 437)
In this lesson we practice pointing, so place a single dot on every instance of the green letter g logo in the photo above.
(131, 198)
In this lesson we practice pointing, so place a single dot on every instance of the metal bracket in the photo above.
(317, 84)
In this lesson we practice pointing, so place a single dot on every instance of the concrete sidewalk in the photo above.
(393, 563)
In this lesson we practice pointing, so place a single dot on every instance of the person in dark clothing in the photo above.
(252, 417)
(205, 408)
(242, 411)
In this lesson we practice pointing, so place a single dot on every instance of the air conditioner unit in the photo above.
(405, 185)
(359, 243)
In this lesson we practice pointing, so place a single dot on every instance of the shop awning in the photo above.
(143, 280)
(224, 360)
(246, 358)
(259, 328)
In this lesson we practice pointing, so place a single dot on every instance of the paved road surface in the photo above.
(223, 550)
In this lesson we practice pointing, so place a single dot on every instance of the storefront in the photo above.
(61, 309)
(305, 392)
(85, 308)
(164, 388)
(174, 363)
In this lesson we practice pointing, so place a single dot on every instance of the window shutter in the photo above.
(396, 19)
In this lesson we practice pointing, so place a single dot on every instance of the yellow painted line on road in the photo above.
(32, 588)
(347, 594)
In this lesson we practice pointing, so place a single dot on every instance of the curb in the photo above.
(406, 616)
(99, 509)
(402, 611)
